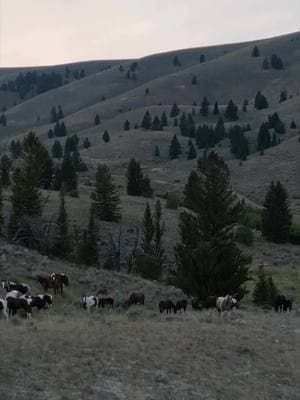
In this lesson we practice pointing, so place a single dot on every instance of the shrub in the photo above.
(172, 201)
(244, 235)
(251, 217)
(294, 234)
(148, 267)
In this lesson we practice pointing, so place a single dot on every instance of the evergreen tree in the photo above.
(126, 125)
(156, 152)
(260, 101)
(86, 143)
(191, 153)
(216, 108)
(54, 117)
(182, 125)
(255, 52)
(146, 188)
(63, 129)
(220, 132)
(204, 107)
(15, 149)
(190, 126)
(245, 104)
(60, 114)
(62, 246)
(57, 150)
(163, 119)
(283, 96)
(231, 111)
(274, 140)
(264, 137)
(88, 249)
(266, 64)
(156, 124)
(148, 231)
(194, 80)
(202, 58)
(68, 176)
(78, 164)
(5, 166)
(239, 143)
(97, 119)
(175, 148)
(276, 216)
(260, 293)
(106, 137)
(175, 122)
(276, 62)
(176, 61)
(134, 178)
(159, 230)
(3, 120)
(107, 199)
(208, 260)
(175, 111)
(293, 125)
(147, 121)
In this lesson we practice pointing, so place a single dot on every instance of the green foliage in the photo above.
(293, 125)
(106, 137)
(208, 260)
(239, 143)
(175, 148)
(5, 166)
(276, 62)
(260, 101)
(255, 52)
(107, 199)
(57, 150)
(264, 137)
(148, 267)
(244, 235)
(156, 124)
(276, 216)
(251, 217)
(265, 290)
(146, 121)
(231, 112)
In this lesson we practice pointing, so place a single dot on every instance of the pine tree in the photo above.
(204, 107)
(62, 246)
(146, 188)
(134, 178)
(60, 114)
(276, 216)
(159, 230)
(3, 120)
(147, 121)
(5, 166)
(255, 52)
(86, 143)
(176, 61)
(50, 134)
(156, 124)
(54, 117)
(231, 111)
(261, 292)
(266, 64)
(182, 125)
(216, 108)
(175, 122)
(239, 143)
(175, 148)
(163, 119)
(126, 125)
(192, 152)
(260, 101)
(264, 137)
(245, 104)
(156, 152)
(175, 111)
(276, 62)
(97, 119)
(283, 96)
(106, 137)
(107, 199)
(220, 132)
(57, 150)
(194, 80)
(68, 176)
(148, 231)
(293, 125)
(202, 58)
(15, 149)
(207, 257)
(88, 249)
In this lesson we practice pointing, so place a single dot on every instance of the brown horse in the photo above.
(63, 280)
(13, 305)
(50, 283)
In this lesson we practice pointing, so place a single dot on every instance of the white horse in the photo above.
(89, 302)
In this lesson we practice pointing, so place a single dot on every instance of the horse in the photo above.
(210, 302)
(3, 308)
(180, 305)
(89, 302)
(13, 305)
(136, 298)
(62, 278)
(224, 303)
(20, 287)
(49, 283)
(166, 305)
(105, 301)
(40, 301)
(283, 303)
(196, 304)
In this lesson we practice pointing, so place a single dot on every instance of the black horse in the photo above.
(136, 298)
(166, 305)
(283, 303)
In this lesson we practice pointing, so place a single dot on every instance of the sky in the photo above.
(47, 32)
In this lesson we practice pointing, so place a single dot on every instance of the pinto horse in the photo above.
(224, 303)
(50, 283)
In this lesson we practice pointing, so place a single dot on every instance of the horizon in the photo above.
(64, 31)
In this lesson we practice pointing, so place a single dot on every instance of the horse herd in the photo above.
(19, 298)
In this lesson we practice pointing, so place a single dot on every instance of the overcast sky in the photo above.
(40, 32)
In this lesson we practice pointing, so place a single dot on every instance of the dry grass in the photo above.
(143, 355)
